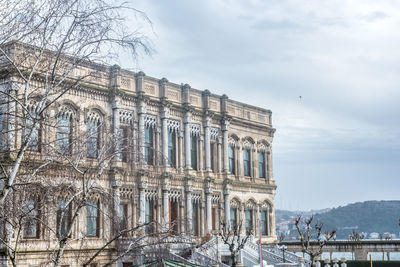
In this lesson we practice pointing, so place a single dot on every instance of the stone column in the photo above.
(157, 154)
(207, 144)
(201, 153)
(189, 210)
(164, 135)
(219, 158)
(227, 204)
(242, 219)
(134, 211)
(225, 127)
(257, 222)
(116, 125)
(201, 221)
(141, 113)
(165, 199)
(142, 203)
(187, 140)
(180, 151)
(181, 215)
(269, 168)
(116, 202)
(209, 210)
(240, 167)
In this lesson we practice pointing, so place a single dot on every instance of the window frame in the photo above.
(149, 215)
(249, 222)
(194, 140)
(172, 148)
(96, 217)
(60, 149)
(231, 160)
(149, 145)
(66, 219)
(123, 142)
(35, 218)
(247, 162)
(261, 165)
(96, 126)
(29, 120)
(264, 222)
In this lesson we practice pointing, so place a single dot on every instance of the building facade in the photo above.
(189, 159)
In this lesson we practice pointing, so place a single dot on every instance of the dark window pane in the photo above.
(92, 138)
(31, 226)
(264, 222)
(193, 152)
(246, 162)
(261, 164)
(171, 148)
(64, 135)
(231, 155)
(249, 221)
(123, 144)
(63, 217)
(92, 218)
(195, 223)
(149, 215)
(30, 127)
(148, 145)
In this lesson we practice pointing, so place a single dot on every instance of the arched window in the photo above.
(149, 215)
(32, 217)
(264, 222)
(63, 222)
(92, 218)
(92, 138)
(64, 133)
(249, 220)
(171, 148)
(261, 164)
(231, 158)
(32, 129)
(148, 145)
(246, 162)
(193, 151)
(123, 143)
(195, 218)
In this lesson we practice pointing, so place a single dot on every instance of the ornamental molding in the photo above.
(173, 125)
(175, 195)
(125, 116)
(151, 193)
(214, 133)
(196, 197)
(150, 121)
(195, 129)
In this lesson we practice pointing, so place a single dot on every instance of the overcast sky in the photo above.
(340, 142)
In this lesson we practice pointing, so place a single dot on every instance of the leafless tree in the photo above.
(43, 46)
(311, 237)
(233, 237)
(48, 40)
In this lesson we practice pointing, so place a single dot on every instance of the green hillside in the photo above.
(369, 216)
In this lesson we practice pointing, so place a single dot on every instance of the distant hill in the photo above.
(368, 217)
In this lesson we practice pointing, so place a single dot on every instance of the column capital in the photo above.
(166, 187)
(116, 184)
(142, 109)
(227, 191)
(207, 122)
(187, 118)
(143, 185)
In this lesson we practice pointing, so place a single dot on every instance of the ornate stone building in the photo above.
(192, 158)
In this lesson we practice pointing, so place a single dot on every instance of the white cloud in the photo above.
(342, 57)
